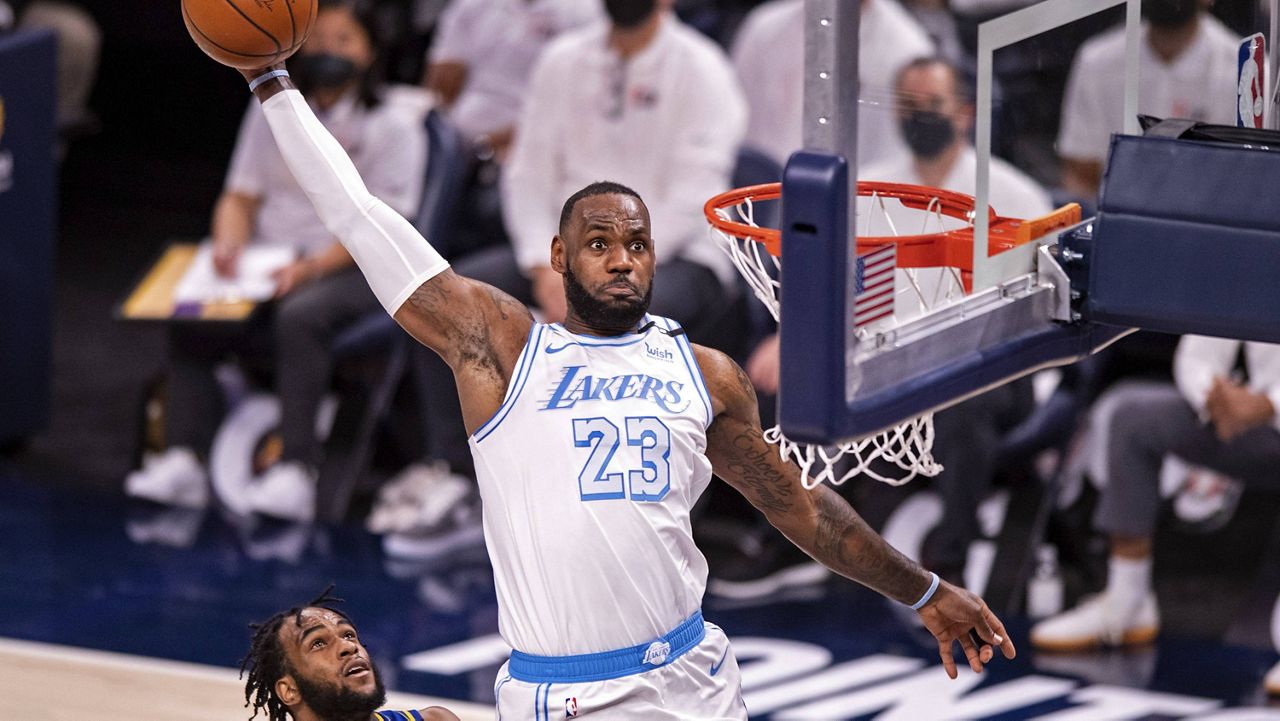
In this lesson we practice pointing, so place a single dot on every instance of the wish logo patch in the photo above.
(661, 354)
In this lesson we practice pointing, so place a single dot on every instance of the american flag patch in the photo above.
(873, 285)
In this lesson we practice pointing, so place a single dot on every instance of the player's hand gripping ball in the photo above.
(249, 34)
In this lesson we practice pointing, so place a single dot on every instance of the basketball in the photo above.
(249, 34)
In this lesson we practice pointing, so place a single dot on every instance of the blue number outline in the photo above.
(637, 435)
(594, 439)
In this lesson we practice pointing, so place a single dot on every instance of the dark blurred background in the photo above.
(167, 117)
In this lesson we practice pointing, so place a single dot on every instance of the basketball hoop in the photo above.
(944, 240)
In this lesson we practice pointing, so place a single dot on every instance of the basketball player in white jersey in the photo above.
(592, 440)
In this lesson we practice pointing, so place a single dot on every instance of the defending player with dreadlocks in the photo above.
(307, 663)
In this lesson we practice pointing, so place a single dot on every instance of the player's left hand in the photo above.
(954, 614)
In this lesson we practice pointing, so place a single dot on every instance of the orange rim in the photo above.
(952, 248)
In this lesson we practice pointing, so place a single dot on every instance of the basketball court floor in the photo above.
(110, 610)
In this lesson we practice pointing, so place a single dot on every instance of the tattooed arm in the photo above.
(826, 527)
(476, 328)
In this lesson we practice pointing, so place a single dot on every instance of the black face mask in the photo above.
(1170, 13)
(629, 13)
(927, 133)
(321, 71)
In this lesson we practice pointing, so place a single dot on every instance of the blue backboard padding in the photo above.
(815, 263)
(1183, 277)
(1195, 181)
(1056, 344)
(816, 257)
(1187, 240)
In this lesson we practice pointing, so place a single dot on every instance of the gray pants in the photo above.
(1151, 421)
(293, 338)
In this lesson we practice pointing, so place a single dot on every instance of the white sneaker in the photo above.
(1096, 622)
(1271, 682)
(418, 499)
(286, 491)
(174, 477)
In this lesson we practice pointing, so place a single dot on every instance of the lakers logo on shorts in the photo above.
(657, 653)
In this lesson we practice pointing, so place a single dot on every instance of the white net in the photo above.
(894, 456)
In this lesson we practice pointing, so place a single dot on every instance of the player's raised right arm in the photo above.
(457, 317)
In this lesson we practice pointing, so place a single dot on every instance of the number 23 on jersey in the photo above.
(601, 479)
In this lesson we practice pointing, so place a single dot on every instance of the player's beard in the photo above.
(618, 314)
(334, 702)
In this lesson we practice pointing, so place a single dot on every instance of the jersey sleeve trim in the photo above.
(524, 368)
(691, 364)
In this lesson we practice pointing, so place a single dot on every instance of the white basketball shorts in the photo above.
(699, 682)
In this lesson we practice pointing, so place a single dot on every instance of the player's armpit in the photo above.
(468, 323)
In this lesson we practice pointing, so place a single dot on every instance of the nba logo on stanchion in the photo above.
(873, 285)
(1250, 72)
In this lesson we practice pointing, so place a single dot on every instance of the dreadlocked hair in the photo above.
(266, 661)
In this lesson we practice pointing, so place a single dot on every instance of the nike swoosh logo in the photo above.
(715, 667)
(552, 350)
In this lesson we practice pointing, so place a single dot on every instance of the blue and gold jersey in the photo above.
(397, 716)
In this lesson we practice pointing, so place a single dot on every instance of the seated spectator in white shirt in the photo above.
(935, 116)
(317, 295)
(645, 101)
(1188, 70)
(1210, 417)
(768, 54)
(483, 53)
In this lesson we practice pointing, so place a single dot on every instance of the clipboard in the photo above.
(152, 297)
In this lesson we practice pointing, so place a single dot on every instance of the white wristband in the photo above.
(253, 84)
(927, 594)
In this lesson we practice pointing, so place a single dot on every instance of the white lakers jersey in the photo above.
(588, 472)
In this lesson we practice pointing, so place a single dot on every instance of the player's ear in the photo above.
(557, 254)
(287, 691)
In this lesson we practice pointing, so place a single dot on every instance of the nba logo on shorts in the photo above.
(571, 707)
